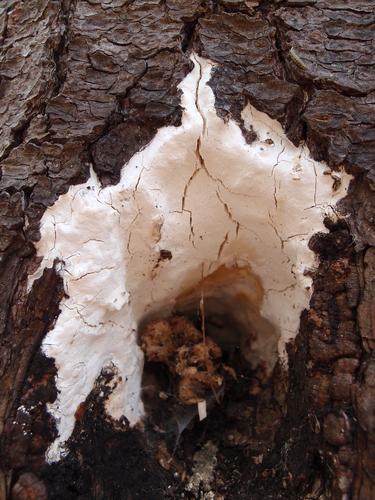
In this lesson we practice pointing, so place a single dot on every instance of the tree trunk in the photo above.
(85, 86)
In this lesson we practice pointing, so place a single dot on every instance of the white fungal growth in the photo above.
(201, 192)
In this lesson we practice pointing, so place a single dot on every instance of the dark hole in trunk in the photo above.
(244, 414)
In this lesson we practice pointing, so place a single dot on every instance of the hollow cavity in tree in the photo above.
(196, 199)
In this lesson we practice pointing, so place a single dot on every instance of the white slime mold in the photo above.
(201, 192)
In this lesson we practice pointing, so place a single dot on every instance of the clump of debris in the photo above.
(205, 461)
(194, 360)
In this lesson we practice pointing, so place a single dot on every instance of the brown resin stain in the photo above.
(219, 280)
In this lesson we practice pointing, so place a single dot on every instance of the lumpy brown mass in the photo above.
(191, 357)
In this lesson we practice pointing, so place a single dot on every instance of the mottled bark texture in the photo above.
(89, 82)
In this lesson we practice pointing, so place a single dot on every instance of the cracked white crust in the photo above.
(201, 192)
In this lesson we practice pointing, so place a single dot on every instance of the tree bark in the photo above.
(88, 83)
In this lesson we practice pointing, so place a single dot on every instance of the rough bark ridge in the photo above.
(89, 82)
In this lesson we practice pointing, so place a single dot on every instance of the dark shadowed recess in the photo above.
(88, 82)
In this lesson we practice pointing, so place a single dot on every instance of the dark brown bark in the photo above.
(91, 81)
